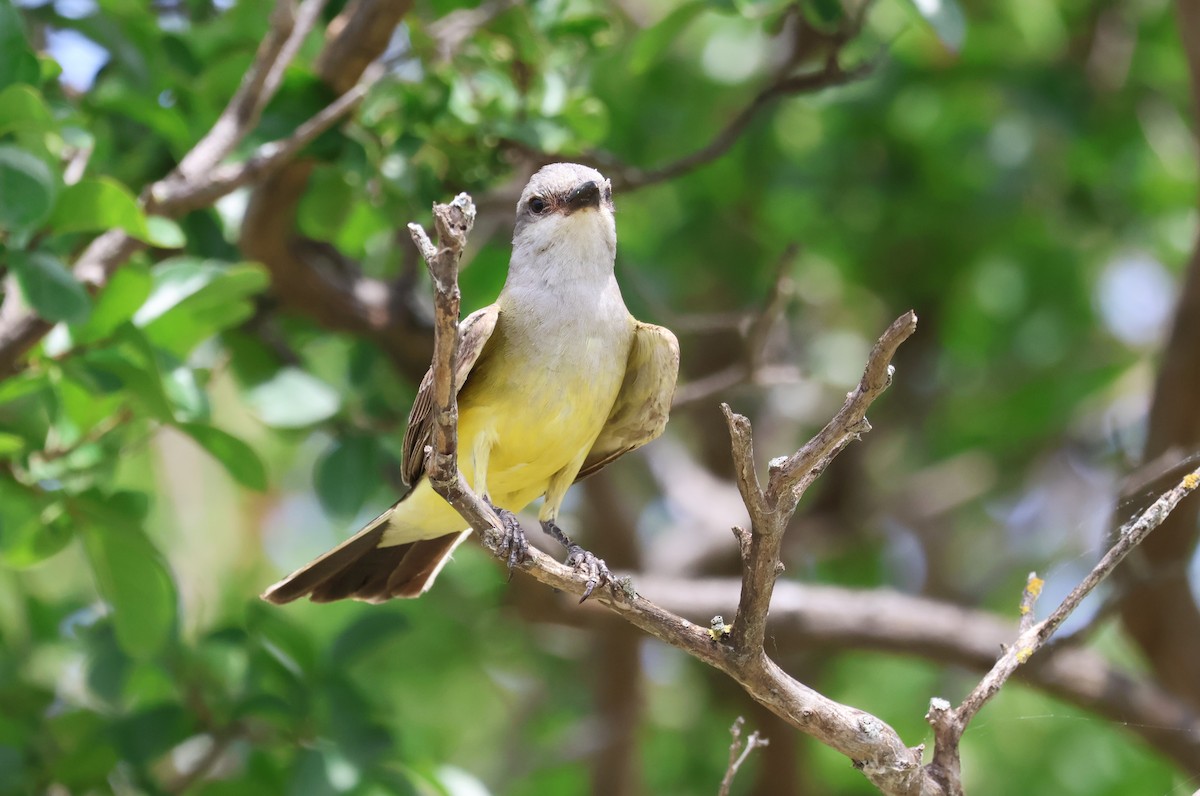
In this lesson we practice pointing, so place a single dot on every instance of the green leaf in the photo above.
(21, 385)
(239, 458)
(649, 47)
(345, 475)
(97, 205)
(18, 64)
(29, 531)
(49, 288)
(219, 299)
(116, 303)
(81, 404)
(22, 108)
(947, 20)
(133, 362)
(293, 399)
(194, 299)
(165, 233)
(186, 394)
(27, 189)
(130, 574)
(828, 11)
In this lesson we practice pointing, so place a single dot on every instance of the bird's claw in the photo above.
(513, 540)
(588, 564)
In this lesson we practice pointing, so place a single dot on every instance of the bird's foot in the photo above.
(513, 540)
(581, 560)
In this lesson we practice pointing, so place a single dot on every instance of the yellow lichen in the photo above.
(1024, 655)
(1191, 481)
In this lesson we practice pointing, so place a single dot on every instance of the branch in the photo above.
(829, 75)
(313, 278)
(289, 27)
(772, 509)
(949, 724)
(755, 331)
(806, 43)
(178, 193)
(804, 617)
(1161, 613)
(739, 752)
(874, 746)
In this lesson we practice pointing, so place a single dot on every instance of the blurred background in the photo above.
(790, 177)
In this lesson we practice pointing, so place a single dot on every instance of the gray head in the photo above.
(565, 201)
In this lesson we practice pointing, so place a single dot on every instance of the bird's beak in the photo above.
(586, 195)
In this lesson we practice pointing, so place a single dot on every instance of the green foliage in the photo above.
(178, 439)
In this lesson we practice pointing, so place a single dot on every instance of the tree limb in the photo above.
(874, 746)
(289, 27)
(806, 616)
(949, 724)
(196, 185)
(313, 278)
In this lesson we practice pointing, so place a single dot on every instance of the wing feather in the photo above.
(473, 333)
(640, 412)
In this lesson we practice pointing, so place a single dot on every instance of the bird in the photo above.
(555, 379)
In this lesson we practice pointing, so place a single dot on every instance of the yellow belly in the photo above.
(532, 431)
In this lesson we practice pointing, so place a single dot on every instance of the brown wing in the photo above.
(640, 411)
(473, 334)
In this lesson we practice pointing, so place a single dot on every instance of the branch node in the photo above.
(743, 540)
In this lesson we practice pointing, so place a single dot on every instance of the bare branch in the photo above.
(176, 194)
(829, 75)
(770, 511)
(874, 746)
(738, 752)
(451, 31)
(755, 330)
(289, 27)
(949, 725)
(791, 477)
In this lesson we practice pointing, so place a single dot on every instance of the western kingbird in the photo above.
(555, 380)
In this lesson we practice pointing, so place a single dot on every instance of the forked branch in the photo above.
(873, 746)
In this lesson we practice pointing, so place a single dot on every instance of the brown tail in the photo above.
(360, 569)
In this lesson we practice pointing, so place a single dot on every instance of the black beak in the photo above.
(586, 195)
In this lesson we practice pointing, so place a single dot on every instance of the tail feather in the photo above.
(362, 570)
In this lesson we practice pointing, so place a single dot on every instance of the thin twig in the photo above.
(739, 752)
(755, 330)
(829, 75)
(949, 724)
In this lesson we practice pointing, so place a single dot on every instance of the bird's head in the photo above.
(566, 213)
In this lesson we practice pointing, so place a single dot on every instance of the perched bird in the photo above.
(555, 380)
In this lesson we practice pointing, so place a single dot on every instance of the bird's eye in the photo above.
(537, 205)
(607, 193)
